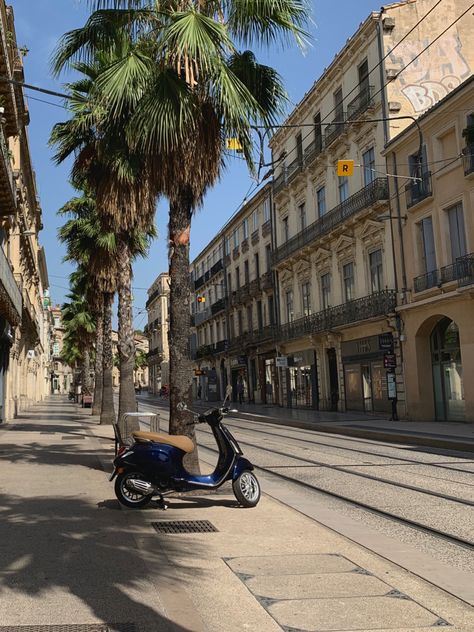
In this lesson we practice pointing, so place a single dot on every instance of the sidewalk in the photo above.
(69, 555)
(447, 435)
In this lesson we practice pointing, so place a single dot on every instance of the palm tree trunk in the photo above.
(126, 335)
(107, 413)
(86, 368)
(99, 357)
(180, 297)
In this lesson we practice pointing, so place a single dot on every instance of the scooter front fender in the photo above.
(241, 465)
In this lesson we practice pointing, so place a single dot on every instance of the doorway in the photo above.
(333, 379)
(446, 362)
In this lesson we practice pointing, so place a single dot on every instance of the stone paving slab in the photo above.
(291, 564)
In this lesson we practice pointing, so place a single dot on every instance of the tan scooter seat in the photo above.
(179, 441)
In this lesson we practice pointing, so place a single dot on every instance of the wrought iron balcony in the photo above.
(468, 159)
(265, 334)
(426, 281)
(294, 168)
(218, 306)
(360, 103)
(418, 190)
(313, 150)
(334, 129)
(217, 267)
(461, 270)
(377, 304)
(7, 182)
(374, 192)
(10, 293)
(207, 351)
(201, 317)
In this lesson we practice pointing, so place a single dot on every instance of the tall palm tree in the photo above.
(94, 249)
(119, 177)
(186, 87)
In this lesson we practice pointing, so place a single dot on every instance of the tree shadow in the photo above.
(50, 545)
(53, 454)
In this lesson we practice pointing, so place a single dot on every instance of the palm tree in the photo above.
(94, 249)
(120, 179)
(185, 88)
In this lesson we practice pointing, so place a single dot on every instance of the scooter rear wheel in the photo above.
(128, 497)
(247, 489)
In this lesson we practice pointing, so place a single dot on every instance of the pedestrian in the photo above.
(240, 391)
(199, 391)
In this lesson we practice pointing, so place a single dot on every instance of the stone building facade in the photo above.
(334, 251)
(434, 246)
(62, 376)
(156, 330)
(24, 317)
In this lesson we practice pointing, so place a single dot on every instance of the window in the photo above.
(266, 210)
(229, 282)
(259, 315)
(318, 136)
(285, 229)
(348, 281)
(232, 326)
(302, 215)
(246, 272)
(235, 236)
(363, 72)
(271, 311)
(227, 245)
(376, 271)
(299, 148)
(249, 318)
(257, 266)
(289, 306)
(457, 233)
(338, 105)
(368, 158)
(237, 278)
(268, 257)
(240, 330)
(321, 200)
(245, 229)
(255, 220)
(306, 298)
(209, 262)
(428, 250)
(326, 290)
(416, 168)
(343, 186)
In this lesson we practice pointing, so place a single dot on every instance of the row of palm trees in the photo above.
(162, 85)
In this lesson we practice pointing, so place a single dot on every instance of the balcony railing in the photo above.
(201, 317)
(461, 270)
(206, 351)
(468, 159)
(360, 103)
(11, 289)
(374, 192)
(217, 267)
(313, 150)
(294, 168)
(377, 304)
(7, 182)
(218, 306)
(418, 190)
(334, 129)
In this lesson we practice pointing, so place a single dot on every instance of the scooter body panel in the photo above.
(240, 466)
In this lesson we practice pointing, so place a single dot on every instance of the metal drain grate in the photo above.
(184, 526)
(94, 627)
(74, 437)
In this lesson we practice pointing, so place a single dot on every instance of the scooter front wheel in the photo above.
(247, 489)
(127, 496)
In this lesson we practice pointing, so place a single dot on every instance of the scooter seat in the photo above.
(179, 441)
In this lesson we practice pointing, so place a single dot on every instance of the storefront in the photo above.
(239, 378)
(366, 362)
(301, 383)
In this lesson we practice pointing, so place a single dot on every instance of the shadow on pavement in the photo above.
(50, 546)
(52, 454)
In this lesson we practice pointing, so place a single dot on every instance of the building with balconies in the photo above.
(24, 329)
(334, 249)
(234, 306)
(156, 330)
(434, 250)
(62, 376)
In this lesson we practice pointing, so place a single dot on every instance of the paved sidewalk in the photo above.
(70, 555)
(447, 435)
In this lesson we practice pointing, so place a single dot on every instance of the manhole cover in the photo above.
(95, 627)
(184, 526)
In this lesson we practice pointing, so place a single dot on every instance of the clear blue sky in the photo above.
(40, 23)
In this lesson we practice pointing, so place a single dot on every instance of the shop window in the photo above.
(376, 271)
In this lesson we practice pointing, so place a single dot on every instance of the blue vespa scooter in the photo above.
(152, 467)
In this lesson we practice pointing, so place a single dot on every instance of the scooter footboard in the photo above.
(241, 465)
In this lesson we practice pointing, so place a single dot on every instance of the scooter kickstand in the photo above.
(161, 503)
